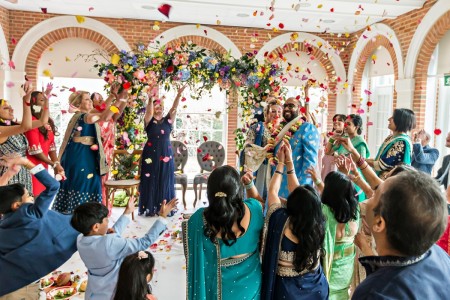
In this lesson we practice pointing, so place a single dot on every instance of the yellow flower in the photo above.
(115, 59)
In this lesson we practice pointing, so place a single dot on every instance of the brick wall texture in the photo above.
(16, 23)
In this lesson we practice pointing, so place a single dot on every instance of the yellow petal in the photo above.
(80, 19)
(115, 59)
(114, 172)
(90, 176)
(47, 73)
(114, 109)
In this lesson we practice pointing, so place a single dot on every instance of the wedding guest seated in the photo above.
(424, 157)
(135, 275)
(406, 216)
(34, 240)
(103, 250)
(293, 239)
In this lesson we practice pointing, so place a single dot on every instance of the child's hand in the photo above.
(130, 206)
(312, 172)
(166, 207)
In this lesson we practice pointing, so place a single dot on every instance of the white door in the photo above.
(380, 112)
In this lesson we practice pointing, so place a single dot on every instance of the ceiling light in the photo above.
(149, 7)
(242, 15)
(328, 21)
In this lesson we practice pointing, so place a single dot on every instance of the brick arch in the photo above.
(433, 37)
(52, 37)
(366, 55)
(325, 62)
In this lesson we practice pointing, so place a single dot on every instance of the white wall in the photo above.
(61, 59)
(443, 59)
(383, 64)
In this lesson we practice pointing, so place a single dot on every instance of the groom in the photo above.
(304, 143)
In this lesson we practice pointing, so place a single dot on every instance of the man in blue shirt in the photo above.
(406, 216)
(34, 240)
(424, 157)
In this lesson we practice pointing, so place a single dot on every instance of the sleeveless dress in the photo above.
(17, 144)
(81, 165)
(157, 167)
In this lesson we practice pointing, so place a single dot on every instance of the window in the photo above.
(197, 121)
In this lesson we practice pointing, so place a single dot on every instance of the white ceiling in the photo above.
(337, 16)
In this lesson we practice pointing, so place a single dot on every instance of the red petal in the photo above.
(437, 131)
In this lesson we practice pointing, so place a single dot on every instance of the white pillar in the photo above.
(405, 92)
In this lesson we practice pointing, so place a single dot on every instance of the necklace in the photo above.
(287, 137)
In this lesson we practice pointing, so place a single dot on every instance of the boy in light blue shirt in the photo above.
(103, 250)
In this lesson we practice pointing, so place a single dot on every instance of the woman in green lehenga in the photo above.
(341, 210)
(222, 242)
(353, 129)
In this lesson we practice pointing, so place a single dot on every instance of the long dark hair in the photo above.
(225, 195)
(340, 195)
(132, 282)
(37, 115)
(357, 121)
(307, 223)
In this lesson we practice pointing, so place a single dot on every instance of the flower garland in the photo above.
(287, 137)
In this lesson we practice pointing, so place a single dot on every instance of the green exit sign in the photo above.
(447, 79)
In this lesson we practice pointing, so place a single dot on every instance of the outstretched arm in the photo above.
(173, 110)
(7, 131)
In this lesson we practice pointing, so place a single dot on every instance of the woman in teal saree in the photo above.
(353, 128)
(397, 147)
(222, 242)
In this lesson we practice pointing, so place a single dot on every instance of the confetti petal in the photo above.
(94, 147)
(367, 92)
(9, 84)
(114, 109)
(162, 131)
(437, 131)
(13, 41)
(11, 65)
(147, 174)
(79, 128)
(80, 19)
(166, 159)
(91, 8)
(90, 176)
(44, 10)
(165, 9)
(148, 161)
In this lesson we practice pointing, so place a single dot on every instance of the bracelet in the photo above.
(288, 161)
(55, 163)
(278, 172)
(27, 103)
(356, 178)
(317, 182)
(331, 140)
(360, 161)
(281, 163)
(364, 166)
(290, 171)
(250, 185)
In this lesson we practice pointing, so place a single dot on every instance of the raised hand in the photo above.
(130, 206)
(287, 150)
(313, 173)
(280, 154)
(28, 89)
(247, 177)
(346, 143)
(48, 90)
(167, 207)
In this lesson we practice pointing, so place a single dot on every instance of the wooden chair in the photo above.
(180, 157)
(210, 156)
(128, 177)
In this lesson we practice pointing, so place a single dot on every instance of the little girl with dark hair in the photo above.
(135, 274)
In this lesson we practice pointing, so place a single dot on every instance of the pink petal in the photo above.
(10, 84)
(162, 131)
(147, 174)
(166, 159)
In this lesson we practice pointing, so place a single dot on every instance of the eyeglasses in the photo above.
(289, 105)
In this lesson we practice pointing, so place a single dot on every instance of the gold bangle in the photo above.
(281, 163)
(288, 161)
